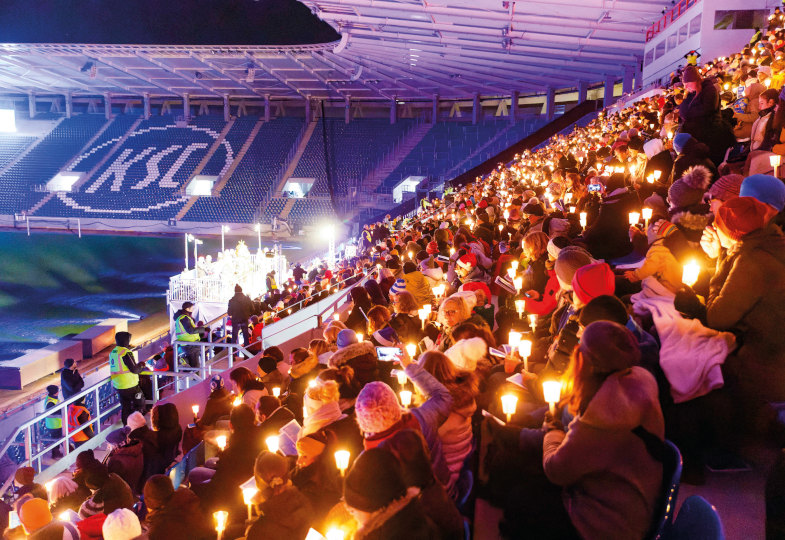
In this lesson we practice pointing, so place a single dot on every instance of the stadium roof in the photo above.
(405, 49)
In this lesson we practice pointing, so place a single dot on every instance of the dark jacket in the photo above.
(322, 484)
(361, 357)
(181, 518)
(240, 307)
(693, 153)
(286, 516)
(234, 467)
(700, 117)
(408, 328)
(219, 404)
(410, 522)
(127, 461)
(71, 382)
(747, 297)
(154, 461)
(608, 237)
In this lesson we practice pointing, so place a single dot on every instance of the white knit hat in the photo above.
(135, 420)
(466, 352)
(122, 524)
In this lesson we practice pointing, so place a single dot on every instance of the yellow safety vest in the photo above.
(121, 377)
(179, 330)
(53, 422)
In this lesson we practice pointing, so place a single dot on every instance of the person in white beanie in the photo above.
(122, 524)
(466, 352)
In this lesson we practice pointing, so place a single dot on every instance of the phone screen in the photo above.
(13, 520)
(595, 187)
(388, 354)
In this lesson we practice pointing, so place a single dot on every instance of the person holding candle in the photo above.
(607, 237)
(404, 320)
(690, 153)
(316, 475)
(660, 261)
(360, 356)
(173, 514)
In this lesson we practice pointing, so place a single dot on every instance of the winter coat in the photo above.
(700, 114)
(611, 482)
(71, 383)
(181, 518)
(418, 285)
(608, 237)
(747, 297)
(61, 530)
(218, 405)
(693, 153)
(408, 327)
(235, 464)
(441, 509)
(547, 303)
(128, 462)
(456, 437)
(240, 307)
(286, 516)
(663, 162)
(403, 518)
(322, 484)
(662, 265)
(361, 357)
(744, 120)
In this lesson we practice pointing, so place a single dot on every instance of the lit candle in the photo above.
(635, 217)
(506, 214)
(551, 391)
(336, 316)
(195, 410)
(501, 227)
(650, 179)
(335, 534)
(525, 349)
(514, 265)
(670, 135)
(411, 349)
(518, 282)
(359, 337)
(276, 391)
(248, 495)
(774, 161)
(237, 401)
(647, 213)
(572, 209)
(519, 305)
(411, 255)
(342, 460)
(438, 291)
(582, 217)
(657, 174)
(511, 273)
(690, 273)
(514, 340)
(220, 518)
(509, 404)
(406, 397)
(220, 441)
(401, 376)
(452, 251)
(532, 321)
(272, 443)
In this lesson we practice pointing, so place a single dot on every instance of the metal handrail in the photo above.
(668, 18)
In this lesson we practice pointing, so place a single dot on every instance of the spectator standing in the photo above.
(125, 375)
(240, 309)
(71, 380)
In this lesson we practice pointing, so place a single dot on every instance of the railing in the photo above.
(668, 18)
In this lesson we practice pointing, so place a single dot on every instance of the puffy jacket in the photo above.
(361, 357)
(181, 518)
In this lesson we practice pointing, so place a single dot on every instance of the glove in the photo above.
(550, 423)
(689, 305)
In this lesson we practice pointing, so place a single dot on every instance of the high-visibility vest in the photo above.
(52, 421)
(121, 377)
(73, 422)
(179, 330)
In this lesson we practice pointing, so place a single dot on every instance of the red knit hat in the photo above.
(593, 280)
(468, 261)
(740, 216)
(432, 248)
(475, 285)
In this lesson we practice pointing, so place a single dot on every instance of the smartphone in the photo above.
(594, 188)
(740, 92)
(13, 520)
(388, 354)
(442, 258)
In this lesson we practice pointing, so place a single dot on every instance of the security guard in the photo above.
(185, 329)
(124, 374)
(53, 422)
(78, 416)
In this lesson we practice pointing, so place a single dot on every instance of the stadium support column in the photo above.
(550, 103)
(307, 109)
(626, 84)
(267, 107)
(476, 108)
(108, 106)
(610, 80)
(146, 105)
(69, 104)
(347, 109)
(393, 110)
(513, 106)
(186, 106)
(435, 109)
(31, 104)
(583, 91)
(638, 73)
(227, 109)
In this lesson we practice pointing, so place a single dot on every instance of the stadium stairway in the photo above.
(238, 158)
(287, 208)
(120, 142)
(19, 157)
(295, 159)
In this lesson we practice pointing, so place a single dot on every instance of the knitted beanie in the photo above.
(311, 445)
(765, 188)
(345, 338)
(593, 280)
(690, 188)
(726, 187)
(122, 524)
(603, 308)
(609, 347)
(86, 458)
(267, 364)
(680, 141)
(24, 476)
(374, 481)
(52, 390)
(35, 514)
(216, 382)
(398, 287)
(135, 420)
(691, 74)
(433, 248)
(567, 263)
(158, 490)
(61, 486)
(742, 215)
(377, 408)
(466, 352)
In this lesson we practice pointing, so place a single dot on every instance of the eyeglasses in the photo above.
(450, 312)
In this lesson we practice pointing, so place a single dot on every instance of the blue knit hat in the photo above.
(345, 338)
(216, 382)
(680, 140)
(765, 188)
(398, 287)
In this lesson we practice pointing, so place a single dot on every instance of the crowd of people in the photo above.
(533, 338)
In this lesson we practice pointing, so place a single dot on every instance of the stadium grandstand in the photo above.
(348, 269)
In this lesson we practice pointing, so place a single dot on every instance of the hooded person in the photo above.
(379, 414)
(360, 356)
(376, 494)
(285, 513)
(166, 508)
(607, 236)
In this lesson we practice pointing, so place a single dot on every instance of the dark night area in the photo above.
(178, 22)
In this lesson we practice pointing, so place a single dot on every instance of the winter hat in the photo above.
(267, 364)
(567, 263)
(122, 524)
(603, 308)
(60, 487)
(398, 287)
(556, 244)
(118, 436)
(135, 420)
(743, 215)
(310, 445)
(345, 338)
(268, 467)
(726, 187)
(614, 182)
(216, 382)
(377, 408)
(533, 209)
(691, 74)
(158, 490)
(466, 352)
(609, 347)
(24, 476)
(468, 261)
(765, 188)
(593, 280)
(52, 390)
(653, 147)
(689, 189)
(35, 514)
(432, 248)
(86, 458)
(237, 288)
(374, 481)
(477, 285)
(680, 141)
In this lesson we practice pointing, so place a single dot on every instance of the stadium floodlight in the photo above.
(328, 232)
(7, 120)
(224, 230)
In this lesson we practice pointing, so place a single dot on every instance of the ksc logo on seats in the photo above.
(147, 172)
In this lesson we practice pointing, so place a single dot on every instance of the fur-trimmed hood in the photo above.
(692, 219)
(350, 352)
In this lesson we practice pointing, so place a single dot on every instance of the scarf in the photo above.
(407, 421)
(319, 415)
